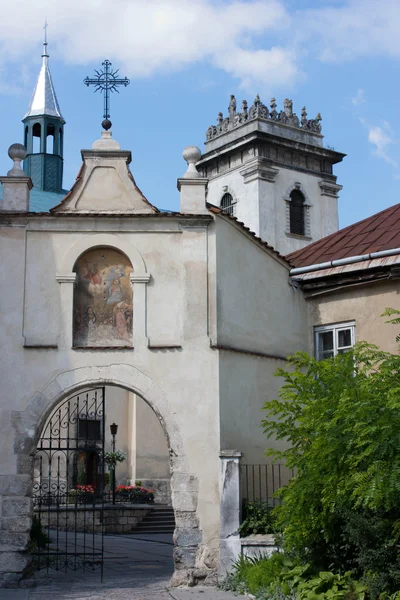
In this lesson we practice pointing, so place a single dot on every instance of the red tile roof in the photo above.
(376, 233)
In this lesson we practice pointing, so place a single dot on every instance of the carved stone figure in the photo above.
(273, 112)
(288, 107)
(244, 110)
(303, 116)
(232, 107)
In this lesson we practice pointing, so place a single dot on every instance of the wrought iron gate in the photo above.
(68, 489)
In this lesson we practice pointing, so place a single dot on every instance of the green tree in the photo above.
(341, 419)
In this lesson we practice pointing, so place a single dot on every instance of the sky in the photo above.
(184, 59)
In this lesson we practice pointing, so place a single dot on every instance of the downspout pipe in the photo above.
(344, 261)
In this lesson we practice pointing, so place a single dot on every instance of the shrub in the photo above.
(257, 518)
(341, 417)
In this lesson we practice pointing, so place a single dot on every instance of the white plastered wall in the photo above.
(262, 206)
(262, 315)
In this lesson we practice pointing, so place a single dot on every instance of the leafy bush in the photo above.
(278, 578)
(257, 518)
(341, 417)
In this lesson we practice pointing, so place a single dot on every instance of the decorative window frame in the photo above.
(226, 189)
(335, 328)
(307, 212)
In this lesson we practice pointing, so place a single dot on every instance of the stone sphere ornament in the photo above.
(17, 153)
(192, 155)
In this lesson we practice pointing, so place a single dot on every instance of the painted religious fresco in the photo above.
(103, 299)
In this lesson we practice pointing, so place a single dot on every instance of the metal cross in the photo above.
(106, 82)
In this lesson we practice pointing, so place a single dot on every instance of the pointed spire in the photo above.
(44, 100)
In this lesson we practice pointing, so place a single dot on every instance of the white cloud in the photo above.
(359, 98)
(352, 30)
(382, 139)
(258, 42)
(149, 36)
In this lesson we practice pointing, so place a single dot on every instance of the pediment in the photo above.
(105, 185)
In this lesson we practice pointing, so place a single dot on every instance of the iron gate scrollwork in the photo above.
(68, 488)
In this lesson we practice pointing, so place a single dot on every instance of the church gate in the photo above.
(68, 486)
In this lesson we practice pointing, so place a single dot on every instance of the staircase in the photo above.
(160, 519)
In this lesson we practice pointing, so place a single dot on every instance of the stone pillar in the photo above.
(15, 513)
(230, 508)
(139, 282)
(16, 185)
(66, 282)
(192, 185)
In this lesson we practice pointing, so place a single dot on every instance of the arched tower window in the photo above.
(103, 299)
(50, 141)
(297, 212)
(36, 137)
(26, 136)
(227, 204)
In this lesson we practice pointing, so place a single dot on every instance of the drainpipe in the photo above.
(344, 261)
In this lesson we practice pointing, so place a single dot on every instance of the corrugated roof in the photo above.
(41, 201)
(374, 234)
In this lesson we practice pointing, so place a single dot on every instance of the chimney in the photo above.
(192, 185)
(16, 184)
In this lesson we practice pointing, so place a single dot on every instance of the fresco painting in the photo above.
(103, 299)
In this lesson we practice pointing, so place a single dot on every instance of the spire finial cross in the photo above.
(45, 54)
(106, 81)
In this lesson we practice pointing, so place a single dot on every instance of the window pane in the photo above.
(328, 354)
(326, 340)
(344, 338)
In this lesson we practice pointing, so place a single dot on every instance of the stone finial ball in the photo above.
(192, 154)
(17, 151)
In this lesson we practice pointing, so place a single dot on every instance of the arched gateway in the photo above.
(49, 450)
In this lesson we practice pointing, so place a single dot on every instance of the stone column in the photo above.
(230, 508)
(16, 185)
(192, 186)
(66, 282)
(139, 282)
(15, 513)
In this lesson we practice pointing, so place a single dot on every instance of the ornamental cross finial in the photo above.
(106, 81)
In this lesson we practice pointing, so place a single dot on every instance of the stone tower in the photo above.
(269, 169)
(44, 133)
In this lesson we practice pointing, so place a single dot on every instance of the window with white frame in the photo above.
(331, 340)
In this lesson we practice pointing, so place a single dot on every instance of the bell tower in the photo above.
(44, 133)
(270, 170)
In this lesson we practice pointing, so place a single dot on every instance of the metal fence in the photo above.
(260, 482)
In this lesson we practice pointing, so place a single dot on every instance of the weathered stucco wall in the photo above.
(362, 304)
(262, 316)
(171, 366)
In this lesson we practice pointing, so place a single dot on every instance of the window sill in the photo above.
(108, 348)
(296, 236)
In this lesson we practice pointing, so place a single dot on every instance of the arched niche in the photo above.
(103, 299)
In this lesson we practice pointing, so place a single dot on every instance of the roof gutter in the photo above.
(344, 261)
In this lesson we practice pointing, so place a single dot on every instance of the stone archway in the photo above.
(184, 488)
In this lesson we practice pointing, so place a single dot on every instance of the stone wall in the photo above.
(115, 519)
(161, 488)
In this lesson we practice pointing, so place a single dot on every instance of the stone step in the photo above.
(154, 529)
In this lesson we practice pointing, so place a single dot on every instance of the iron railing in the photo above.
(260, 482)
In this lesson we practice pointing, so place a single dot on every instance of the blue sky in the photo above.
(340, 58)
